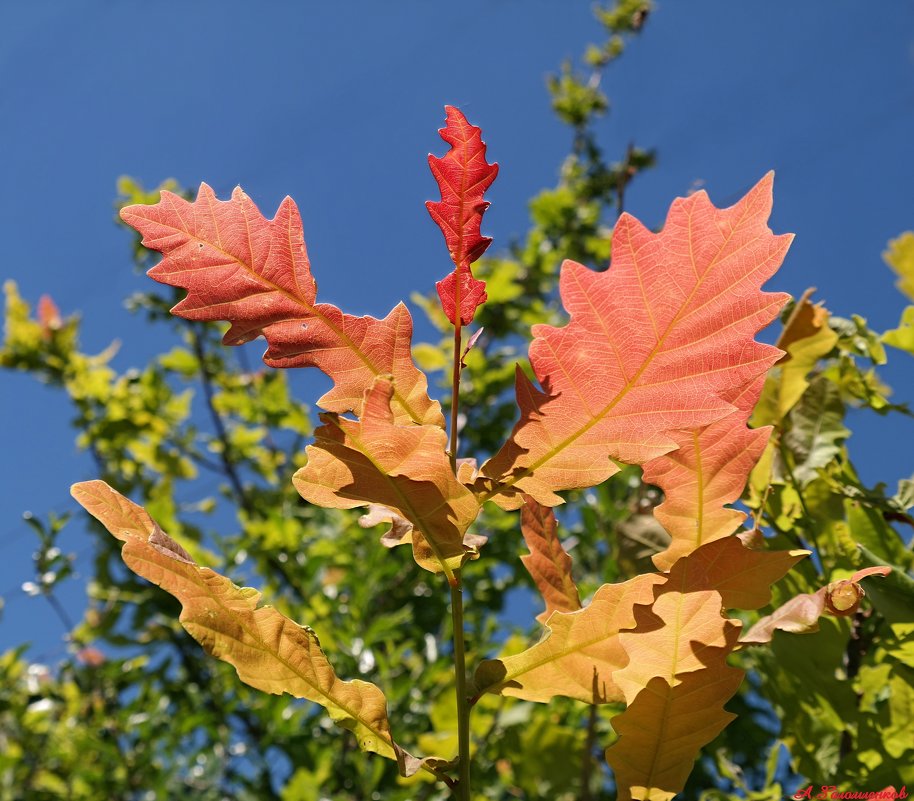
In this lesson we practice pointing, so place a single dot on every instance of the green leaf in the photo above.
(893, 596)
(816, 430)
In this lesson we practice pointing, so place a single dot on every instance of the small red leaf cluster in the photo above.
(463, 176)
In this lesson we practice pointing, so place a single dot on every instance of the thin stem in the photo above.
(587, 757)
(226, 454)
(59, 610)
(206, 381)
(455, 391)
(625, 176)
(463, 707)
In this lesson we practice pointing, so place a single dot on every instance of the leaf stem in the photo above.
(455, 391)
(463, 707)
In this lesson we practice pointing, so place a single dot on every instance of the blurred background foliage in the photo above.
(136, 712)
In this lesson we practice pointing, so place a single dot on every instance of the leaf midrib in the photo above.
(564, 652)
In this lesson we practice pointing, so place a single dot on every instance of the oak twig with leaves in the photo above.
(657, 366)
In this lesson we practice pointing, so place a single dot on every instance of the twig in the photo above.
(587, 760)
(463, 706)
(231, 472)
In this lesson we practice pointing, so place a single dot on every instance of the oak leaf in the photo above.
(806, 338)
(254, 273)
(652, 762)
(579, 653)
(742, 575)
(656, 344)
(404, 468)
(269, 651)
(672, 636)
(676, 681)
(900, 257)
(463, 176)
(676, 661)
(548, 562)
(800, 615)
(817, 430)
(705, 473)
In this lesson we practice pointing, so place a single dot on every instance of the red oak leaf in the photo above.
(463, 176)
(238, 266)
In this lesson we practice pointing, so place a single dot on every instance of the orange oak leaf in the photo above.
(800, 615)
(463, 176)
(676, 655)
(807, 320)
(706, 472)
(579, 653)
(653, 762)
(742, 575)
(404, 468)
(659, 343)
(673, 636)
(269, 651)
(547, 562)
(254, 273)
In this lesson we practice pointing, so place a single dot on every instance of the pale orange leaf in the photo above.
(578, 654)
(269, 651)
(402, 467)
(743, 576)
(704, 474)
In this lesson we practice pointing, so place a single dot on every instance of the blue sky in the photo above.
(338, 105)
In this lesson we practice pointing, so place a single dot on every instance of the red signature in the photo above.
(830, 791)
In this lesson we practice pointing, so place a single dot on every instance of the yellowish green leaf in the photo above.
(900, 257)
(268, 650)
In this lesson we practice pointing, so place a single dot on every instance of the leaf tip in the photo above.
(81, 488)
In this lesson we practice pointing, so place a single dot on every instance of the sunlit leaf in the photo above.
(654, 345)
(903, 336)
(900, 257)
(238, 266)
(703, 475)
(806, 338)
(547, 562)
(404, 468)
(270, 652)
(463, 176)
(742, 575)
(579, 652)
(676, 662)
